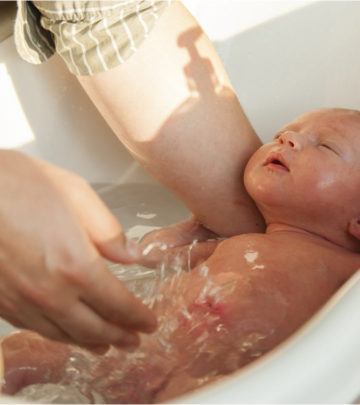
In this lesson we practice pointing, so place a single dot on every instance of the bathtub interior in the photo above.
(283, 58)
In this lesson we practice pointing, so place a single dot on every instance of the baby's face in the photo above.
(311, 168)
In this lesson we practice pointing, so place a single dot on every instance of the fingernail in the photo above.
(133, 249)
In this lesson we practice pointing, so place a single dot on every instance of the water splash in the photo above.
(120, 377)
(250, 256)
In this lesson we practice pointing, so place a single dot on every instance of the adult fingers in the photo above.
(115, 303)
(103, 228)
(31, 318)
(85, 327)
(70, 320)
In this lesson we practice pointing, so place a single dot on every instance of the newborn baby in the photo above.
(247, 293)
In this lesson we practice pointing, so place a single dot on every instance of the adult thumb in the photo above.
(119, 249)
(105, 232)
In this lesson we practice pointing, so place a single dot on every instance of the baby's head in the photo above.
(309, 176)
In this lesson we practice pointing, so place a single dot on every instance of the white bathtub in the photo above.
(284, 58)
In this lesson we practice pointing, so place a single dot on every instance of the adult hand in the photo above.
(54, 235)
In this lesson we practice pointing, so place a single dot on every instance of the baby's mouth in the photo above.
(276, 161)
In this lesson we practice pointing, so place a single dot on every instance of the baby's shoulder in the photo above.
(246, 242)
(273, 252)
(287, 253)
(246, 249)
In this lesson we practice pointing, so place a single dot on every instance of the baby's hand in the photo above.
(182, 244)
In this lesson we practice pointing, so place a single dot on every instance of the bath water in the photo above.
(188, 335)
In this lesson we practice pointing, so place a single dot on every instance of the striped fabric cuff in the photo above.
(91, 38)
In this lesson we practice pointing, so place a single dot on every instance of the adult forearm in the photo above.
(173, 106)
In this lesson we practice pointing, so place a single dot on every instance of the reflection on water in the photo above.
(141, 208)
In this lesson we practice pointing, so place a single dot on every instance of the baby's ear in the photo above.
(354, 227)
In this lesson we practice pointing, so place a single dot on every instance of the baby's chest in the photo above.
(272, 278)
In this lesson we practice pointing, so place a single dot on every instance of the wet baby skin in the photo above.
(250, 292)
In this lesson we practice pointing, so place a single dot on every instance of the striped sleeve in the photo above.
(90, 36)
(33, 43)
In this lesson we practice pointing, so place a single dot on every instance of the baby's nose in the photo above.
(292, 139)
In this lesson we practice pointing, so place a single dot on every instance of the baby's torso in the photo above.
(251, 294)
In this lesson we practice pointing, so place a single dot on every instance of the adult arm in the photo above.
(173, 106)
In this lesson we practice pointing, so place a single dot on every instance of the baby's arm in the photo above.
(183, 244)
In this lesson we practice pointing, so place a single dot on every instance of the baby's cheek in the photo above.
(326, 181)
(325, 190)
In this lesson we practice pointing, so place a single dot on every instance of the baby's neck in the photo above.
(279, 228)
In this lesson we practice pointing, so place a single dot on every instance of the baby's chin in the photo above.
(261, 192)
